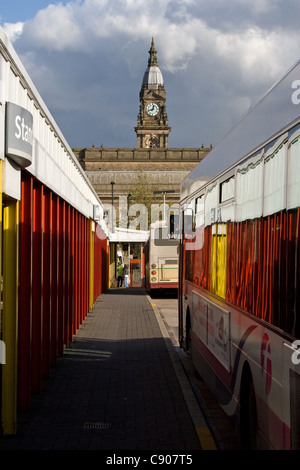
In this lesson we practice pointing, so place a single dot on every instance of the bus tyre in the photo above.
(249, 422)
(187, 345)
(189, 336)
(253, 424)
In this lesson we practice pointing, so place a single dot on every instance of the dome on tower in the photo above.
(153, 76)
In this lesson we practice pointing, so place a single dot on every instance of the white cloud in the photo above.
(258, 6)
(216, 58)
(79, 26)
(13, 30)
(56, 28)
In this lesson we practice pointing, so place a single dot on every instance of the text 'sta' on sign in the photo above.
(19, 137)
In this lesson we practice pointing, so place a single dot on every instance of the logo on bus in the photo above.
(266, 362)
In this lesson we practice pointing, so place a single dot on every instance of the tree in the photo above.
(145, 205)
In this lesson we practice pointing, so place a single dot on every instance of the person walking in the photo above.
(126, 276)
(120, 271)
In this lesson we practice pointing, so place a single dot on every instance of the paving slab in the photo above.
(118, 386)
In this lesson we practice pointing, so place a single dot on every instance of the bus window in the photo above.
(174, 226)
(188, 224)
(161, 237)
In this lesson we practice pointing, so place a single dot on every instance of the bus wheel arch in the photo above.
(248, 410)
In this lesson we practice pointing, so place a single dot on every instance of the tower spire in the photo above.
(152, 124)
(152, 55)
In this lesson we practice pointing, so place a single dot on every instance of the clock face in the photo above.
(152, 109)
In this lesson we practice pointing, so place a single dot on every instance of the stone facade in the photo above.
(164, 169)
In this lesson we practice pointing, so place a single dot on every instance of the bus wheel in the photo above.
(187, 346)
(253, 422)
(249, 421)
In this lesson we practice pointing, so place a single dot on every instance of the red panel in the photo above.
(100, 262)
(84, 312)
(80, 272)
(60, 303)
(67, 274)
(263, 269)
(37, 288)
(75, 273)
(62, 264)
(80, 315)
(84, 267)
(72, 273)
(88, 247)
(46, 279)
(97, 265)
(54, 279)
(25, 320)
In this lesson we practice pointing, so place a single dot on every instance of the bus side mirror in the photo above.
(188, 225)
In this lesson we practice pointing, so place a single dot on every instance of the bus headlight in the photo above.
(153, 279)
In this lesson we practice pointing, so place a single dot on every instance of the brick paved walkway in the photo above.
(115, 388)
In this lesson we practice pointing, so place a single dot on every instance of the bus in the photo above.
(161, 258)
(238, 300)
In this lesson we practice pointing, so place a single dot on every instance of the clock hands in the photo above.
(152, 109)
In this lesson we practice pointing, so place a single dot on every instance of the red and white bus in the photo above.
(239, 303)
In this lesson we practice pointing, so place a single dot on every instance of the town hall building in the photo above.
(114, 172)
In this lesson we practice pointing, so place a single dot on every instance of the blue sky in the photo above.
(87, 59)
(12, 11)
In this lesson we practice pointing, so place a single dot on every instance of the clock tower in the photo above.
(152, 128)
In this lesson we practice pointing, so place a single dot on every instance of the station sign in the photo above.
(18, 145)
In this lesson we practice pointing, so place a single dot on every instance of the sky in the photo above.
(87, 59)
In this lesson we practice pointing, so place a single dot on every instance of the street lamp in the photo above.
(112, 205)
(168, 191)
(129, 195)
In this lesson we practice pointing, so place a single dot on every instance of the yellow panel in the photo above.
(10, 316)
(222, 262)
(213, 280)
(112, 265)
(107, 263)
(219, 261)
(2, 346)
